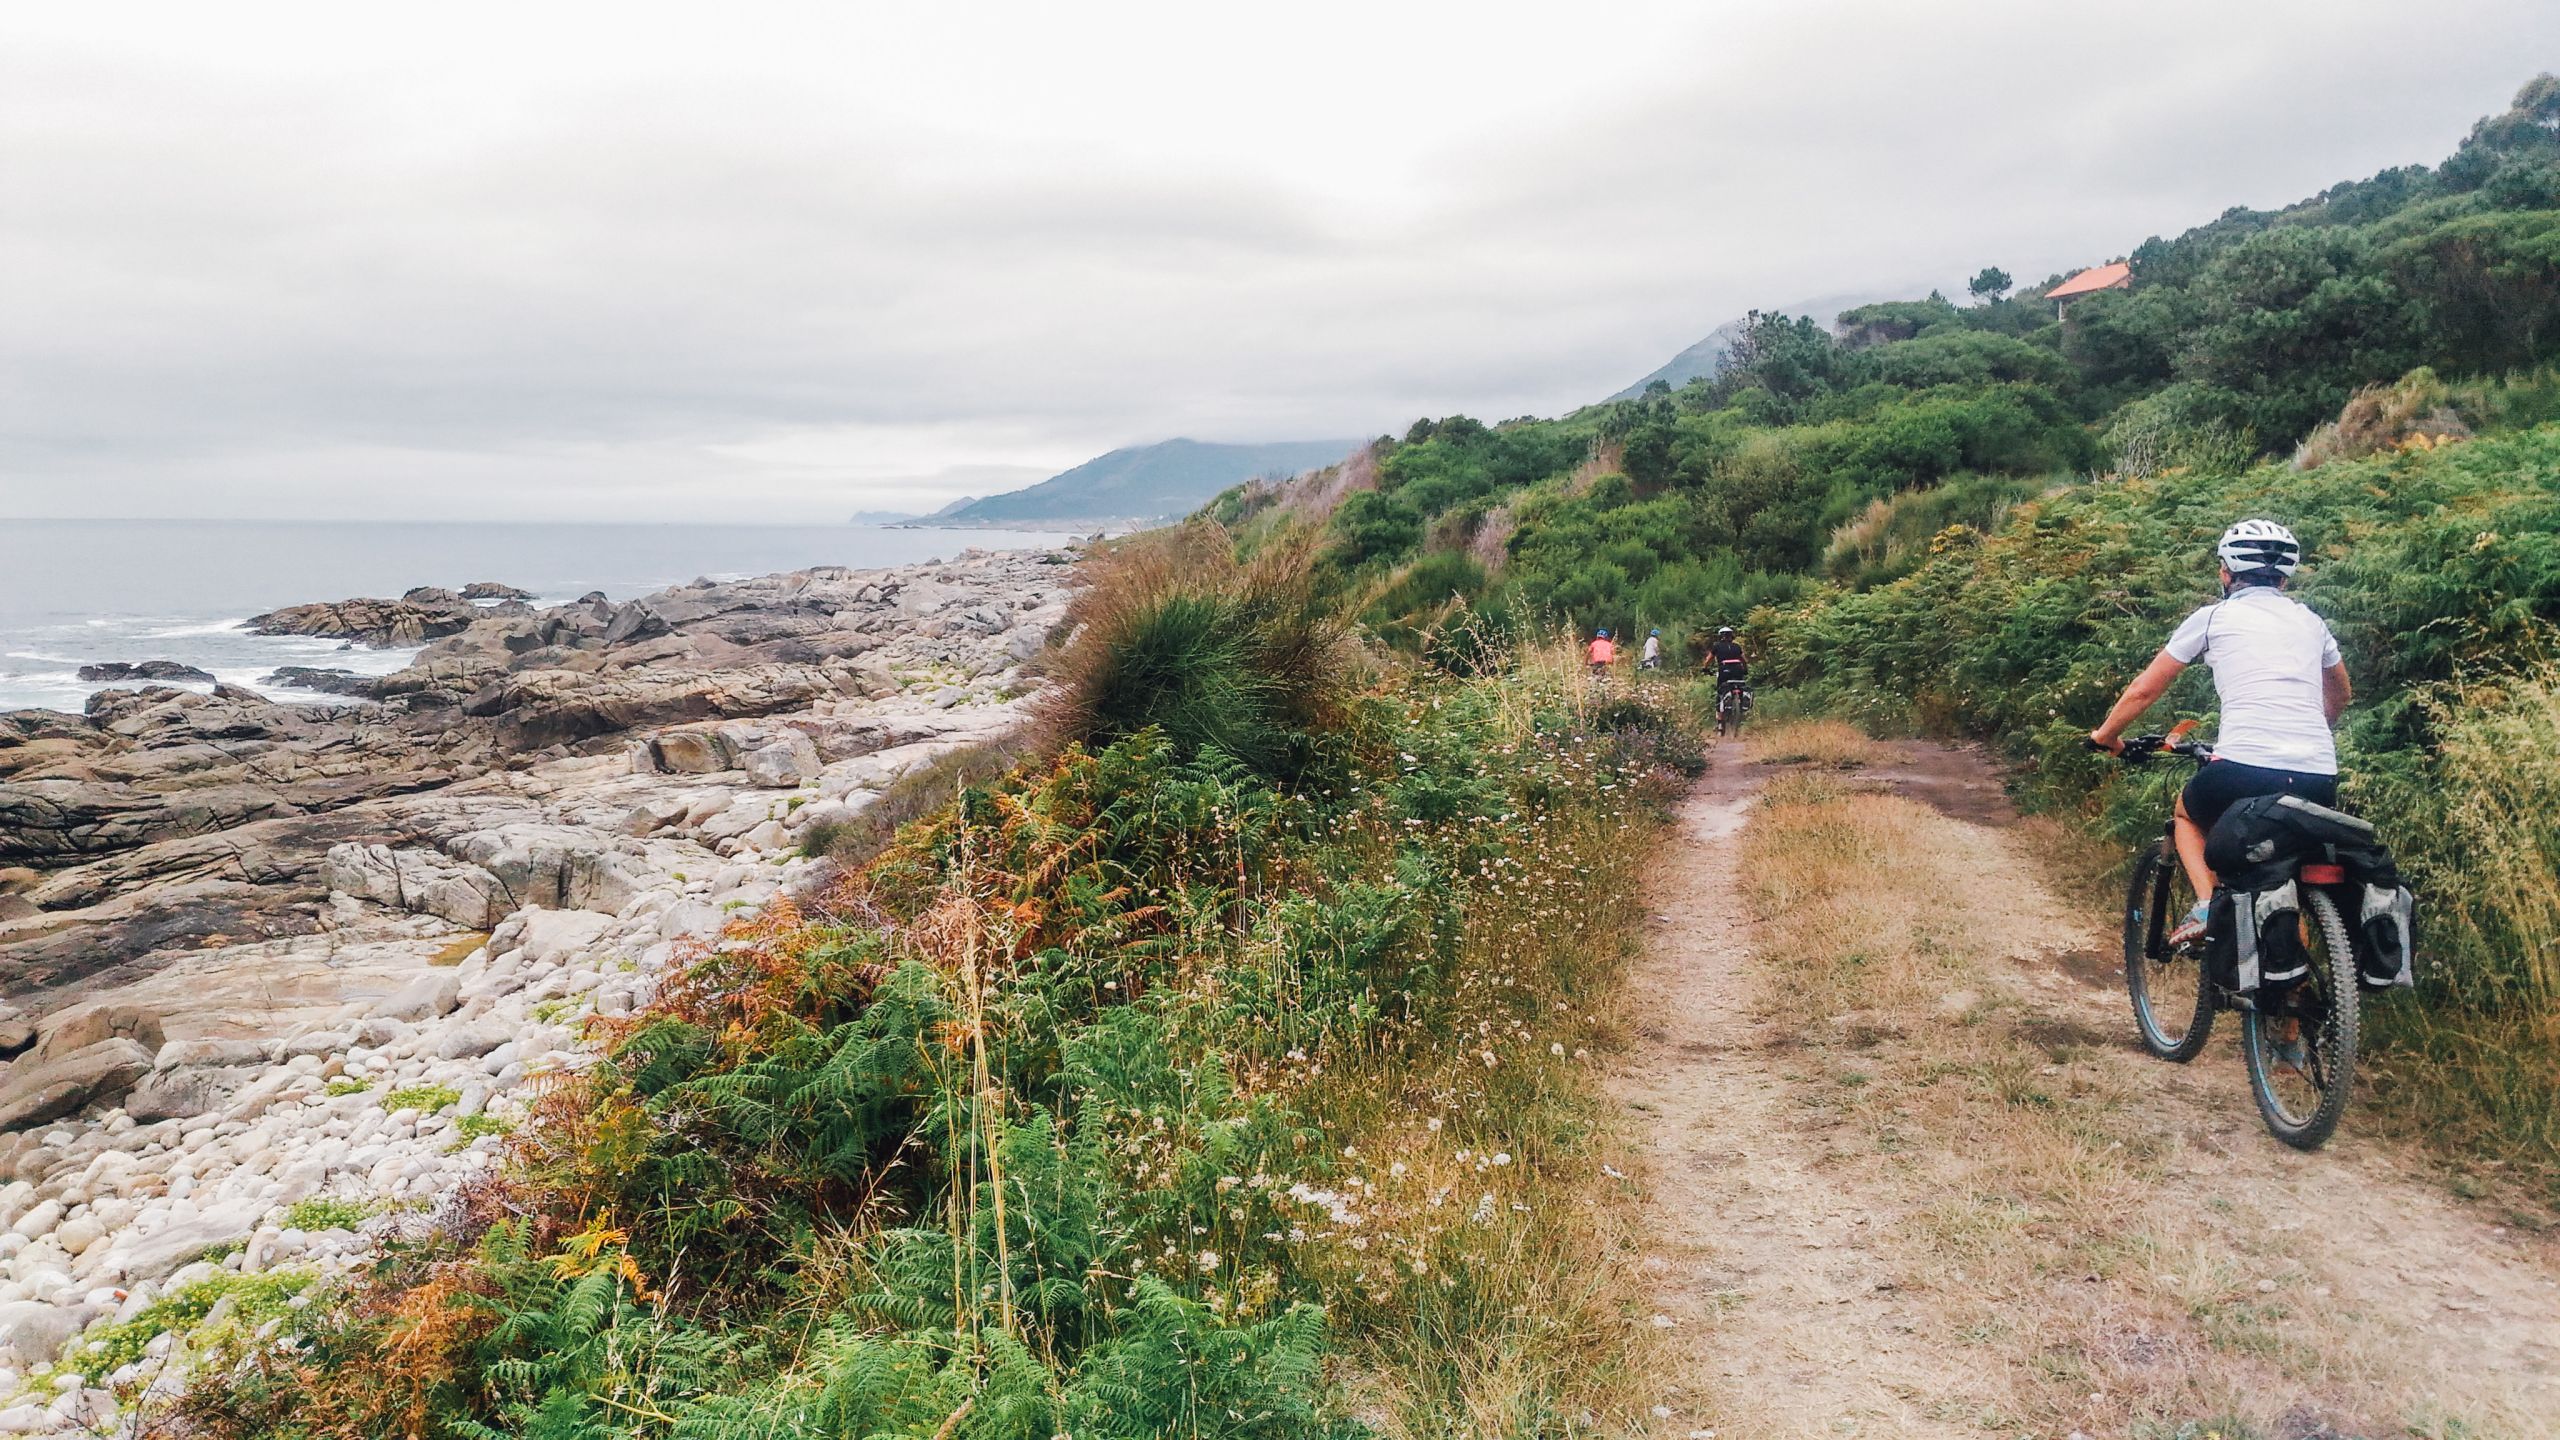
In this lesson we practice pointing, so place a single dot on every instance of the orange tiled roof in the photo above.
(2102, 277)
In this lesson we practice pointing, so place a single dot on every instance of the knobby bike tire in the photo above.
(2336, 964)
(2149, 970)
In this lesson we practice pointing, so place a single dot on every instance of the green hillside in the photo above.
(1830, 451)
(1148, 482)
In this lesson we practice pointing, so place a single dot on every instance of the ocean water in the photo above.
(82, 592)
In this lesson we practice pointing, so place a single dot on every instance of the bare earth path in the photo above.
(1959, 1202)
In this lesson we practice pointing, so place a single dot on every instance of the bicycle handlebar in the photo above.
(2142, 749)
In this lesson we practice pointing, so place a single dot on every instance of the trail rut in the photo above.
(1798, 1245)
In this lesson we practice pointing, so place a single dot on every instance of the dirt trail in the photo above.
(1803, 1266)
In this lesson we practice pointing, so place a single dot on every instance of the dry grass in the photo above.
(2504, 811)
(460, 949)
(1171, 628)
(1307, 501)
(2415, 411)
(1491, 542)
(1830, 744)
(2052, 1223)
(1607, 457)
(2479, 1078)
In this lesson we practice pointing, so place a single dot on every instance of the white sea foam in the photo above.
(181, 632)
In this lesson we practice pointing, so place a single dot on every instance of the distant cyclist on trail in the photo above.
(2282, 685)
(1726, 660)
(1652, 658)
(1601, 653)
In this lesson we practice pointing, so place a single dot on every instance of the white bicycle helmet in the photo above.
(2259, 545)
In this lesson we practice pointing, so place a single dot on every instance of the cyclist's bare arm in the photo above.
(2335, 692)
(2141, 695)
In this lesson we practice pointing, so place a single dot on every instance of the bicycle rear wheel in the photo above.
(2171, 986)
(2302, 1102)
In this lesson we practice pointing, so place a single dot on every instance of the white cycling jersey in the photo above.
(2267, 651)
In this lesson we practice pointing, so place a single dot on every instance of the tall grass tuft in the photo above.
(2486, 836)
(1171, 631)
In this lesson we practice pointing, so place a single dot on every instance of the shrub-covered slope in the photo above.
(1835, 451)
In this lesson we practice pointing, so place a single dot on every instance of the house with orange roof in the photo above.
(2118, 276)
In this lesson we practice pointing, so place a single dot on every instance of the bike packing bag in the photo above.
(2255, 836)
(2386, 936)
(2384, 916)
(2266, 936)
(2221, 946)
(2321, 825)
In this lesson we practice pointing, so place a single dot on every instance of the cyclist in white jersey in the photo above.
(2282, 685)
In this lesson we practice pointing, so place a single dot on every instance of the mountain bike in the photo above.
(1733, 706)
(2301, 1081)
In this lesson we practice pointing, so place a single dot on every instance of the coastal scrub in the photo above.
(1139, 1089)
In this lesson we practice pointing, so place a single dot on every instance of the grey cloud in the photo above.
(273, 294)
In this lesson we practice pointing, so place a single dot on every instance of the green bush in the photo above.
(326, 1212)
(429, 1098)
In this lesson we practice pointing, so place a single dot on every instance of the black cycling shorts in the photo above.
(2221, 784)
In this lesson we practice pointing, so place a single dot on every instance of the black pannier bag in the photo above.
(2255, 926)
(2257, 847)
(2384, 915)
(2380, 910)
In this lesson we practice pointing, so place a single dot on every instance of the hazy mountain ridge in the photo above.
(1706, 358)
(1147, 482)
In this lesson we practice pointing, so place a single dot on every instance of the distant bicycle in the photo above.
(1733, 706)
(2281, 966)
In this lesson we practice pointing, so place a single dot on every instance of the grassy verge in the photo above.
(1226, 1072)
(1829, 744)
(2474, 1069)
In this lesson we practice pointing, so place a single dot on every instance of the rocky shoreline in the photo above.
(281, 975)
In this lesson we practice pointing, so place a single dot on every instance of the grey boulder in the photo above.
(787, 760)
(33, 1332)
(38, 1091)
(156, 1255)
(212, 1052)
(471, 1041)
(429, 997)
(185, 1091)
(419, 881)
(67, 1031)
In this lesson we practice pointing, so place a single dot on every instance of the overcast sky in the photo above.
(759, 262)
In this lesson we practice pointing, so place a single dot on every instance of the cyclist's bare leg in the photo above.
(2188, 836)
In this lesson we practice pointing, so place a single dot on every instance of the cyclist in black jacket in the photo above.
(1726, 660)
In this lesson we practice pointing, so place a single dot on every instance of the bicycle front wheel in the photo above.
(2301, 1082)
(2171, 987)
